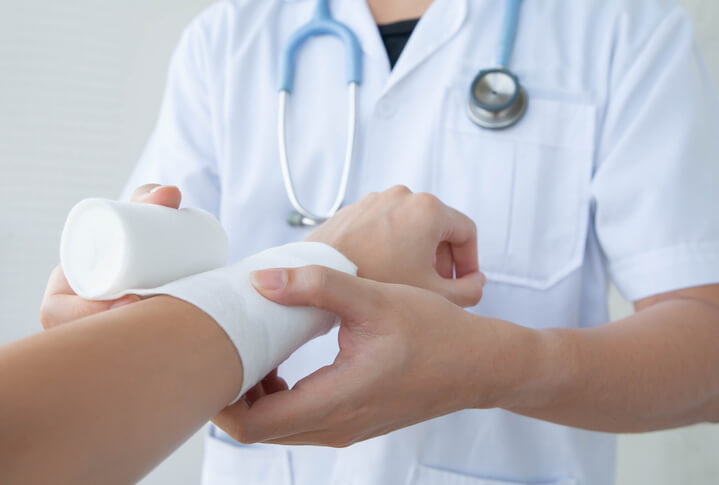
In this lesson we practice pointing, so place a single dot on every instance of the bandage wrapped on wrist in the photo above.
(263, 332)
(110, 249)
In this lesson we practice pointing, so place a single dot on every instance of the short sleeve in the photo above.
(655, 186)
(181, 150)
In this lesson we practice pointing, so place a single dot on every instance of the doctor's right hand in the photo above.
(61, 305)
(400, 237)
(406, 355)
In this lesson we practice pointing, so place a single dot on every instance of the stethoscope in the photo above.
(497, 99)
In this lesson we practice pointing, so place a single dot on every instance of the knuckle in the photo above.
(426, 202)
(472, 226)
(370, 196)
(398, 190)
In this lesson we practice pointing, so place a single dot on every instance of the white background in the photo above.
(80, 86)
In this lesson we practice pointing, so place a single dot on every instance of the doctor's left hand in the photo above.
(397, 236)
(406, 355)
(61, 305)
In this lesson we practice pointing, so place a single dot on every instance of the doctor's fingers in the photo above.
(313, 405)
(60, 309)
(465, 291)
(60, 304)
(351, 298)
(461, 233)
(443, 260)
(270, 384)
(436, 222)
(57, 284)
(149, 194)
(166, 195)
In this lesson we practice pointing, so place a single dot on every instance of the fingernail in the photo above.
(152, 191)
(269, 279)
(125, 300)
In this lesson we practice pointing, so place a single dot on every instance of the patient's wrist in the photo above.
(263, 333)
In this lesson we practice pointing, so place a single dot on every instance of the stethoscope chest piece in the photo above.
(496, 99)
(295, 219)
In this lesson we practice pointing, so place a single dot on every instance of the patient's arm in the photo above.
(114, 393)
(106, 399)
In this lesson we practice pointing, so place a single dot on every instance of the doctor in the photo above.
(610, 174)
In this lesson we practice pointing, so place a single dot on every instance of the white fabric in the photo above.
(612, 173)
(264, 333)
(110, 248)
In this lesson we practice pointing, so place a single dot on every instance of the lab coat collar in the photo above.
(438, 25)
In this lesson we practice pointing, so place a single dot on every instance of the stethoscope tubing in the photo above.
(509, 33)
(322, 23)
(309, 218)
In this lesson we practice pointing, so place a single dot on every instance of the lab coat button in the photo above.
(386, 109)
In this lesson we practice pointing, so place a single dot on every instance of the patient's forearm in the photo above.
(105, 399)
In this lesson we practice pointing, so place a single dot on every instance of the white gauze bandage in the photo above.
(264, 333)
(110, 249)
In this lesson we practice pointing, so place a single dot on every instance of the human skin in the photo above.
(106, 398)
(407, 356)
(91, 401)
(416, 240)
(653, 370)
(387, 11)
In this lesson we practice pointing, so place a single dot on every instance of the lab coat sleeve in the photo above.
(182, 148)
(656, 183)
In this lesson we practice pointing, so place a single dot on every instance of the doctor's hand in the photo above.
(414, 239)
(61, 305)
(406, 355)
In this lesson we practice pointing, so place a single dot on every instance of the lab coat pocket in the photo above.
(425, 475)
(229, 463)
(525, 187)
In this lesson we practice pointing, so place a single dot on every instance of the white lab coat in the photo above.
(612, 174)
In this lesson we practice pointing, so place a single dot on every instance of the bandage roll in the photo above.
(110, 248)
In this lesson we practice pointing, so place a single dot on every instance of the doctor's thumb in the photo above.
(344, 295)
(465, 291)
